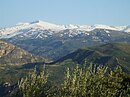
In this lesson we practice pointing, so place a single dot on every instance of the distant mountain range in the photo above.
(40, 26)
(55, 41)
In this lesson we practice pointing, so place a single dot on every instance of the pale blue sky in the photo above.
(109, 12)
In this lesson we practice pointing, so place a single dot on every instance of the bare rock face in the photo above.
(12, 55)
(5, 48)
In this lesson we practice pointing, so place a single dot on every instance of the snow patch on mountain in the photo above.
(40, 29)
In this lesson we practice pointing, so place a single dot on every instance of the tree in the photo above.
(91, 81)
(33, 85)
(95, 82)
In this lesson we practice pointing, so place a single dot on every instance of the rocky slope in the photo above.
(12, 55)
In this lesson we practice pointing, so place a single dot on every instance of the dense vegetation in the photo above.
(89, 81)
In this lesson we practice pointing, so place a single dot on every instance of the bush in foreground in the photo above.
(95, 82)
(89, 81)
(33, 85)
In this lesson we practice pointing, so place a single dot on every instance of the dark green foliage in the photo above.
(90, 81)
(95, 82)
(34, 85)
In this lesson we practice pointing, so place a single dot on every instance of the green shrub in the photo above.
(94, 82)
(33, 85)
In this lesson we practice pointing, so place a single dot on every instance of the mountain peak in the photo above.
(40, 25)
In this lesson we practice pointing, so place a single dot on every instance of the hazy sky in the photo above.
(109, 12)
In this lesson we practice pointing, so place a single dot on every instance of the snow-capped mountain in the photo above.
(39, 29)
(54, 41)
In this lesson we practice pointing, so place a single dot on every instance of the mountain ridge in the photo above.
(54, 27)
(54, 41)
(111, 55)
